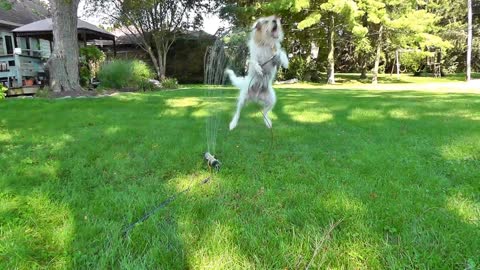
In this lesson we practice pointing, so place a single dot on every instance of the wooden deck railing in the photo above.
(15, 69)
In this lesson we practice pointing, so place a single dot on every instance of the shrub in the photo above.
(3, 92)
(91, 58)
(141, 71)
(145, 85)
(123, 73)
(85, 75)
(43, 92)
(411, 61)
(170, 83)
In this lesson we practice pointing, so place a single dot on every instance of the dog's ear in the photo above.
(257, 25)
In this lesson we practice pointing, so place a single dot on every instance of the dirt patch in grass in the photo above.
(77, 94)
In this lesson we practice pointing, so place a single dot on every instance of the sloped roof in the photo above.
(23, 12)
(129, 39)
(46, 26)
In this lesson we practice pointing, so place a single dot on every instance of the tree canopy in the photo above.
(362, 35)
(154, 24)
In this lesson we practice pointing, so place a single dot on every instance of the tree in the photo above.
(395, 25)
(63, 63)
(5, 5)
(469, 41)
(344, 11)
(155, 24)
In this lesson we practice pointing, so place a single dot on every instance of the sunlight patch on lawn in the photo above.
(256, 115)
(173, 112)
(462, 149)
(467, 209)
(112, 130)
(467, 114)
(41, 237)
(358, 114)
(312, 117)
(5, 136)
(402, 114)
(201, 113)
(130, 97)
(183, 181)
(183, 102)
(62, 141)
(218, 250)
(310, 114)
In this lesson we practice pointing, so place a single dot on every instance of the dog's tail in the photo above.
(239, 82)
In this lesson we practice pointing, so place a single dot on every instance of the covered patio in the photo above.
(26, 67)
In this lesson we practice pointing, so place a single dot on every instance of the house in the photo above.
(185, 59)
(32, 49)
(28, 41)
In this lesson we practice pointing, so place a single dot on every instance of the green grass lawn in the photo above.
(354, 78)
(400, 170)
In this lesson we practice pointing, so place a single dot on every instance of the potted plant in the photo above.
(29, 81)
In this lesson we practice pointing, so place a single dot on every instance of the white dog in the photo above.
(266, 54)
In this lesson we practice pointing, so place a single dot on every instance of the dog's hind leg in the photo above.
(241, 102)
(269, 104)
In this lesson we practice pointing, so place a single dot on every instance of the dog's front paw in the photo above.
(258, 69)
(284, 59)
(268, 122)
(233, 124)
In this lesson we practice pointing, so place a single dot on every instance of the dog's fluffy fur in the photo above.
(266, 54)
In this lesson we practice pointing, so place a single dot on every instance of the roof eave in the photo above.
(10, 23)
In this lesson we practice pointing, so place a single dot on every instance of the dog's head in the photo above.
(268, 30)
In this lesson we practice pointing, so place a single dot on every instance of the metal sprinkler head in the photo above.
(212, 162)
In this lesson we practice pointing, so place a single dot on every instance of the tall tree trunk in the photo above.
(377, 55)
(63, 63)
(162, 61)
(397, 61)
(162, 51)
(331, 53)
(154, 59)
(469, 41)
(363, 66)
(364, 55)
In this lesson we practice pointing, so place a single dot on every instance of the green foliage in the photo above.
(115, 74)
(85, 75)
(91, 58)
(411, 61)
(170, 83)
(6, 5)
(141, 71)
(300, 69)
(119, 74)
(43, 92)
(236, 49)
(311, 20)
(3, 91)
(145, 85)
(407, 25)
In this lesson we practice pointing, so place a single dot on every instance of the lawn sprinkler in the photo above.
(212, 162)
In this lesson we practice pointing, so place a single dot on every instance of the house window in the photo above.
(9, 44)
(2, 46)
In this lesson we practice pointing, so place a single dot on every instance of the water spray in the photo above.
(212, 162)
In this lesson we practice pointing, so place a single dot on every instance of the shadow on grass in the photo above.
(400, 167)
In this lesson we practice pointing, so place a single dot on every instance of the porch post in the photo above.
(114, 48)
(18, 70)
(15, 43)
(84, 36)
(27, 38)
